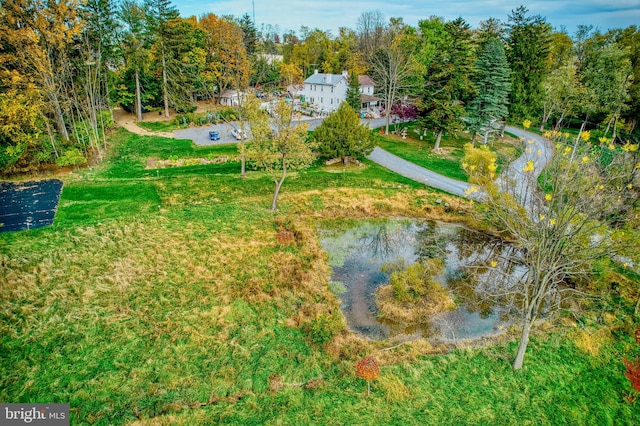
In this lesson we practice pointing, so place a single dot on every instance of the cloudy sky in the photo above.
(332, 14)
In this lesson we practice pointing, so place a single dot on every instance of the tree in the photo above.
(368, 369)
(561, 51)
(20, 127)
(493, 84)
(633, 372)
(316, 52)
(100, 37)
(37, 39)
(560, 221)
(490, 29)
(249, 34)
(607, 75)
(341, 135)
(135, 46)
(370, 31)
(393, 67)
(353, 92)
(528, 47)
(227, 63)
(291, 73)
(629, 39)
(563, 92)
(276, 145)
(159, 13)
(447, 58)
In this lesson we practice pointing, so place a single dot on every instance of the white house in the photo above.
(325, 92)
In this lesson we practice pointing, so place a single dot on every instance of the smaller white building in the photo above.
(231, 98)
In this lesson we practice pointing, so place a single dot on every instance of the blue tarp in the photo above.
(28, 205)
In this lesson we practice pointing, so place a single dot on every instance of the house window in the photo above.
(331, 101)
(331, 89)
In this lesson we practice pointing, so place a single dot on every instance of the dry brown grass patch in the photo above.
(366, 203)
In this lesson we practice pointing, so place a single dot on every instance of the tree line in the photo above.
(65, 65)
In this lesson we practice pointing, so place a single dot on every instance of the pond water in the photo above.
(357, 256)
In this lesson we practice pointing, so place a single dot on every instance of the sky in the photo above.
(333, 14)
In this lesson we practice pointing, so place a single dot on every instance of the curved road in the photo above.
(538, 149)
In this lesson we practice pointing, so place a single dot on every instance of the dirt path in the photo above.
(129, 122)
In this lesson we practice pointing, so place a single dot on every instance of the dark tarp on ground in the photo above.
(28, 205)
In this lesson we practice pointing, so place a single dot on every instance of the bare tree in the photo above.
(393, 66)
(370, 29)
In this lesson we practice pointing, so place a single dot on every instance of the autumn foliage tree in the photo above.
(227, 65)
(368, 369)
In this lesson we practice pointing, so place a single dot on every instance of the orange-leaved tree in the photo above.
(368, 369)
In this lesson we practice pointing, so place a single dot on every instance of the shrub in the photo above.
(322, 328)
(416, 281)
(71, 157)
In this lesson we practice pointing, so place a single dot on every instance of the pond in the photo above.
(357, 254)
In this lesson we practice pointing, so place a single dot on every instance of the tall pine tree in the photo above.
(353, 92)
(448, 62)
(493, 84)
(528, 47)
(159, 13)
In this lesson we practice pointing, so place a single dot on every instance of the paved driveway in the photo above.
(419, 174)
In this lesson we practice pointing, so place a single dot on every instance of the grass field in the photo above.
(165, 296)
(447, 161)
(159, 126)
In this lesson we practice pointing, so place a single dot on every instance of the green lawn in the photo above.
(162, 296)
(418, 148)
(159, 126)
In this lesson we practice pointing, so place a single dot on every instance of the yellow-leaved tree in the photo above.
(560, 217)
(276, 145)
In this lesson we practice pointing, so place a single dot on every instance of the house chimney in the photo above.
(315, 71)
(345, 73)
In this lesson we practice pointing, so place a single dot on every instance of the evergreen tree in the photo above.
(448, 62)
(159, 13)
(528, 48)
(493, 84)
(353, 92)
(135, 52)
(249, 34)
(341, 135)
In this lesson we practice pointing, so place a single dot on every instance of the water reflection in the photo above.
(358, 253)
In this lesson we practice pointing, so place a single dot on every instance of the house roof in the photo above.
(368, 98)
(324, 79)
(365, 80)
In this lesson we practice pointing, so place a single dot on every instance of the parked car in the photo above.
(214, 136)
(239, 134)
